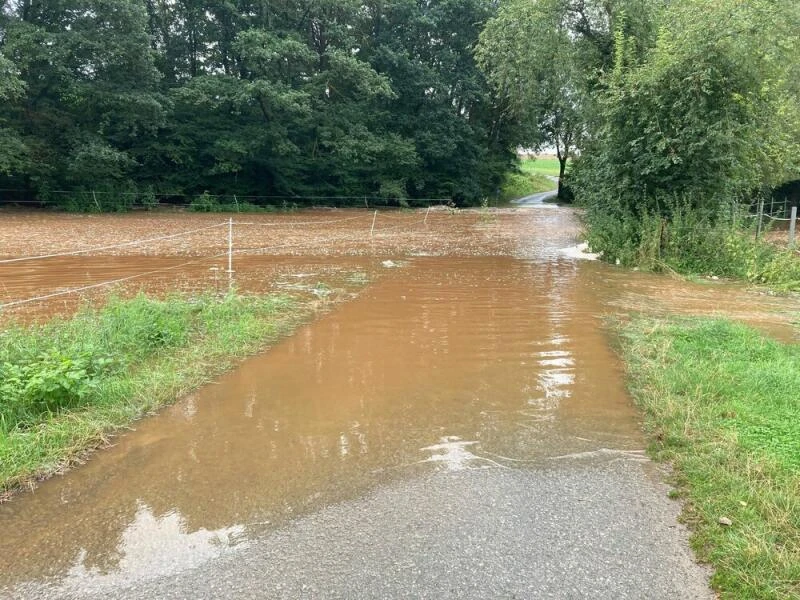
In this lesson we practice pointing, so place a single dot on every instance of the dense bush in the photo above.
(690, 240)
(35, 385)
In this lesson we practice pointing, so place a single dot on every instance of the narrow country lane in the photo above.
(459, 430)
(539, 198)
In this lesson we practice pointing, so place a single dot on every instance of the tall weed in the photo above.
(45, 369)
(686, 239)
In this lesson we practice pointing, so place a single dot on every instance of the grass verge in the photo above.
(67, 384)
(722, 405)
(518, 185)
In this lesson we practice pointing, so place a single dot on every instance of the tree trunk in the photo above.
(562, 166)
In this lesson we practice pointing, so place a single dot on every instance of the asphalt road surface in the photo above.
(595, 526)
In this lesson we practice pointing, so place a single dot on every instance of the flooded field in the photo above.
(474, 344)
(189, 252)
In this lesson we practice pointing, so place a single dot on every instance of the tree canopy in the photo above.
(295, 98)
(691, 98)
(398, 99)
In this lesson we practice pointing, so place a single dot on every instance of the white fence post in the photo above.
(372, 229)
(792, 223)
(230, 253)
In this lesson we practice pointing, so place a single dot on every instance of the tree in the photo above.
(286, 98)
(709, 114)
(530, 57)
(89, 97)
(13, 152)
(443, 103)
(545, 58)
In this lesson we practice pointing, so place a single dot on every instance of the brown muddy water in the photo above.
(442, 363)
(289, 274)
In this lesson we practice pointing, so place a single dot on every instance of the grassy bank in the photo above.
(722, 404)
(540, 166)
(65, 385)
(518, 185)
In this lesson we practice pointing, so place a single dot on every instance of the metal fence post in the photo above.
(792, 222)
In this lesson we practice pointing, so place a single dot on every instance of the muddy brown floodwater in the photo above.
(444, 362)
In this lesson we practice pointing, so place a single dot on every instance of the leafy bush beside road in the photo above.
(693, 242)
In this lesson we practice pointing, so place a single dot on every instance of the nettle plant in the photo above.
(48, 382)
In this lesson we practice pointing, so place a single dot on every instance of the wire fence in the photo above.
(108, 283)
(228, 240)
(100, 200)
(140, 242)
(775, 214)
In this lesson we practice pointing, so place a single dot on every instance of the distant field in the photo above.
(540, 166)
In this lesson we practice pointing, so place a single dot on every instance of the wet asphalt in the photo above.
(536, 199)
(589, 526)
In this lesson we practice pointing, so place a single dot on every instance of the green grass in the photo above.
(722, 404)
(540, 166)
(519, 185)
(67, 384)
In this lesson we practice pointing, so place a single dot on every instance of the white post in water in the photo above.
(372, 229)
(792, 223)
(230, 253)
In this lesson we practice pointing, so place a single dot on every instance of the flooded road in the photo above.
(463, 415)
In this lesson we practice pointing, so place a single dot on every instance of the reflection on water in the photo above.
(150, 547)
(454, 455)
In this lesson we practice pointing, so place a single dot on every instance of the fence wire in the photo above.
(139, 242)
(149, 200)
(108, 283)
(230, 224)
(303, 223)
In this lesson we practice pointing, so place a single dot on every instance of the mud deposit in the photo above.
(480, 346)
